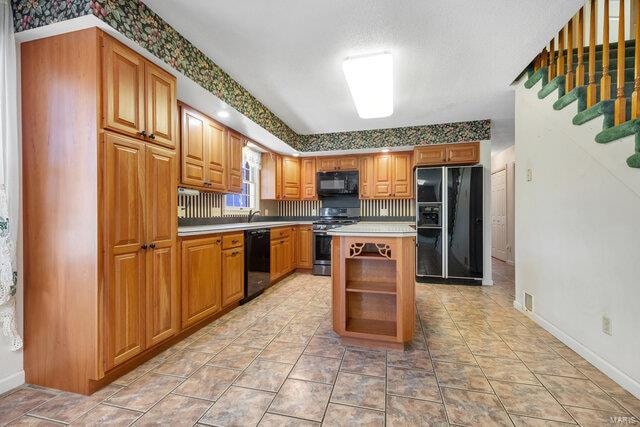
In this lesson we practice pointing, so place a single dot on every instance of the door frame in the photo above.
(506, 211)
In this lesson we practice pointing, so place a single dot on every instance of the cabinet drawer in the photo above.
(280, 233)
(232, 240)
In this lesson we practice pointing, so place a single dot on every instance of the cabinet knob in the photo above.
(235, 241)
(152, 246)
(144, 246)
(142, 133)
(234, 253)
(152, 136)
(218, 241)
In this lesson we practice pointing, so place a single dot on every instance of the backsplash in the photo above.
(204, 205)
(395, 207)
(299, 208)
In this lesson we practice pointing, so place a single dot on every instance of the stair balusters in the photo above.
(605, 81)
(635, 96)
(580, 62)
(591, 88)
(570, 80)
(552, 64)
(560, 59)
(620, 113)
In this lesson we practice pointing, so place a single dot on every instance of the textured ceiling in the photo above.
(454, 60)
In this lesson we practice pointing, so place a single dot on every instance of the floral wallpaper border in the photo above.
(139, 23)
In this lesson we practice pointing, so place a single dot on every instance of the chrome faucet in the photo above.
(253, 213)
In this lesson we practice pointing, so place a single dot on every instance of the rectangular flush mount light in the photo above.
(370, 80)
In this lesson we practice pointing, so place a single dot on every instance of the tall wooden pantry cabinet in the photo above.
(100, 174)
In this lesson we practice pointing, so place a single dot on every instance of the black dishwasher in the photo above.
(257, 262)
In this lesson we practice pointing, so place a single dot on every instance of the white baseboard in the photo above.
(608, 369)
(11, 382)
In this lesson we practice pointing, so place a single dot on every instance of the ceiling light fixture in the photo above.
(370, 80)
(223, 114)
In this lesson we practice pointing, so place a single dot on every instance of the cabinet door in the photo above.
(161, 106)
(193, 148)
(348, 163)
(232, 275)
(382, 175)
(123, 89)
(402, 175)
(366, 177)
(288, 259)
(308, 178)
(162, 315)
(304, 247)
(290, 178)
(201, 279)
(276, 260)
(216, 156)
(463, 154)
(430, 155)
(327, 164)
(125, 235)
(234, 177)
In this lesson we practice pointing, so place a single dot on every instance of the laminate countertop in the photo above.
(197, 230)
(375, 229)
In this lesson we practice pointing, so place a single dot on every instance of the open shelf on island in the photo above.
(371, 287)
(372, 326)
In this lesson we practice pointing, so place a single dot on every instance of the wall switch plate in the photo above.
(384, 212)
(529, 175)
(182, 212)
(313, 212)
(606, 325)
(216, 211)
(266, 212)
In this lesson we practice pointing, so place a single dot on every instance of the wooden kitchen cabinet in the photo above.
(342, 163)
(234, 177)
(282, 251)
(304, 247)
(201, 278)
(194, 149)
(232, 275)
(216, 155)
(280, 177)
(467, 153)
(366, 177)
(291, 178)
(139, 97)
(382, 175)
(308, 178)
(392, 176)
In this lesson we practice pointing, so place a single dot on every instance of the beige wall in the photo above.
(507, 160)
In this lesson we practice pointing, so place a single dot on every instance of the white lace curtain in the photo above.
(253, 157)
(9, 178)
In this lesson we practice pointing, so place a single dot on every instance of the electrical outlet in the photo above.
(266, 212)
(182, 212)
(384, 212)
(606, 325)
(216, 211)
(313, 212)
(529, 175)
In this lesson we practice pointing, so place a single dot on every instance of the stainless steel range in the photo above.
(330, 218)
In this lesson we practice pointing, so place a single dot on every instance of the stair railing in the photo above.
(591, 88)
(635, 113)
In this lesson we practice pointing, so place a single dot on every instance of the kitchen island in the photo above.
(373, 276)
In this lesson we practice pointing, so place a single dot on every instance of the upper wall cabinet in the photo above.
(342, 163)
(290, 178)
(366, 176)
(139, 97)
(390, 176)
(467, 153)
(234, 177)
(280, 178)
(308, 178)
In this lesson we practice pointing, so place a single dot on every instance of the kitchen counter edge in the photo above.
(198, 230)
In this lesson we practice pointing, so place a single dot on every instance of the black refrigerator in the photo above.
(449, 209)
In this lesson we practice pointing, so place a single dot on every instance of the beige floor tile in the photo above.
(526, 344)
(317, 369)
(145, 392)
(183, 364)
(402, 411)
(27, 420)
(359, 390)
(415, 359)
(255, 339)
(412, 383)
(66, 407)
(283, 352)
(529, 400)
(175, 410)
(325, 347)
(366, 362)
(136, 373)
(264, 375)
(209, 382)
(451, 352)
(550, 364)
(235, 357)
(579, 392)
(473, 408)
(341, 415)
(595, 418)
(490, 348)
(301, 399)
(103, 415)
(21, 401)
(457, 375)
(275, 420)
(631, 404)
(238, 406)
(521, 421)
(506, 370)
(604, 382)
(207, 344)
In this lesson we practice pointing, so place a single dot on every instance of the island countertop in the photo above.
(376, 229)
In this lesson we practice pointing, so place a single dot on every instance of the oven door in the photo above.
(321, 248)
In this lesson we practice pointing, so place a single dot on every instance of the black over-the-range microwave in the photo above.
(337, 183)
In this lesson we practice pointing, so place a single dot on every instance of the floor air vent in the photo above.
(528, 302)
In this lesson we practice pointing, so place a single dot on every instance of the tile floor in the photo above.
(474, 361)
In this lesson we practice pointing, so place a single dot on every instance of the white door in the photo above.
(499, 215)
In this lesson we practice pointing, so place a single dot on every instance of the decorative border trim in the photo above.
(136, 21)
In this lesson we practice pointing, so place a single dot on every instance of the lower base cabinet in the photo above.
(232, 275)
